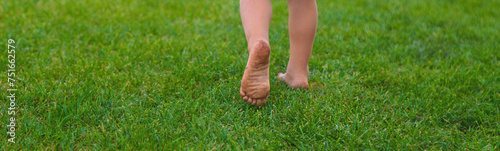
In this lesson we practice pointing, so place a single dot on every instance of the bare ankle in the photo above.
(296, 73)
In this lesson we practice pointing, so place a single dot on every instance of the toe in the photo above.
(261, 102)
(249, 101)
(242, 93)
(254, 101)
(264, 101)
(245, 98)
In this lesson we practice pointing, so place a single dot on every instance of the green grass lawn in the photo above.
(156, 74)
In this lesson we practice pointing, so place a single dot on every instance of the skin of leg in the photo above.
(256, 17)
(302, 24)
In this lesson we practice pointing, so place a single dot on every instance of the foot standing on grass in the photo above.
(255, 17)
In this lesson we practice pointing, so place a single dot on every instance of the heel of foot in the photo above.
(261, 48)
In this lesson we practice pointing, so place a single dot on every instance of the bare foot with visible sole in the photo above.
(294, 81)
(255, 82)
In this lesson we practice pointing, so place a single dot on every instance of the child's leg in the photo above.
(256, 16)
(302, 23)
